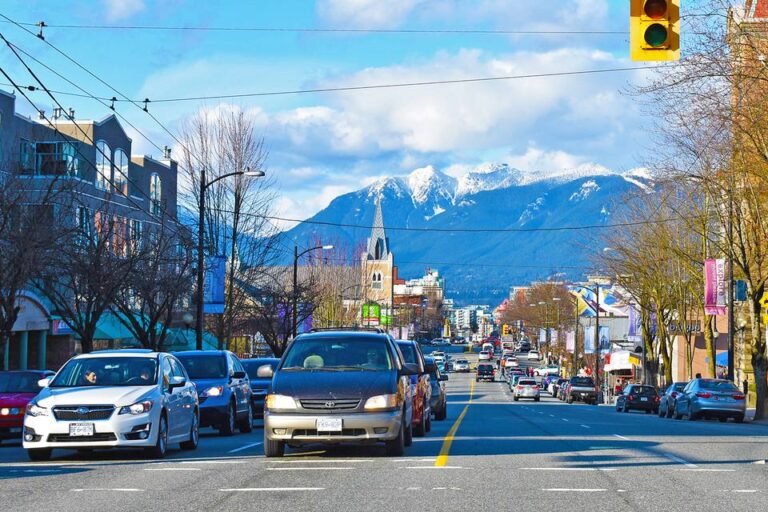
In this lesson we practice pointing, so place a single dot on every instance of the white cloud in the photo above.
(121, 9)
(366, 13)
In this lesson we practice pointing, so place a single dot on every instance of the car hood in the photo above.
(330, 384)
(114, 395)
(15, 399)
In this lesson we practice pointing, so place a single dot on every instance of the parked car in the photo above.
(145, 400)
(438, 401)
(526, 388)
(461, 366)
(667, 401)
(533, 355)
(484, 356)
(562, 392)
(224, 389)
(511, 362)
(485, 371)
(711, 398)
(339, 387)
(513, 379)
(525, 346)
(17, 389)
(555, 385)
(259, 386)
(551, 369)
(581, 389)
(420, 388)
(638, 397)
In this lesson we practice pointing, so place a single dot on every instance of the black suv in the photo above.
(339, 386)
(485, 371)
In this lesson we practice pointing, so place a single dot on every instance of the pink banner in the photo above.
(570, 341)
(714, 287)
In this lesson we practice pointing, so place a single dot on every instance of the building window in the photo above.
(155, 194)
(84, 225)
(376, 281)
(27, 157)
(121, 172)
(49, 158)
(136, 228)
(103, 165)
(120, 236)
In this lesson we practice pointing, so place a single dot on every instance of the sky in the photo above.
(324, 144)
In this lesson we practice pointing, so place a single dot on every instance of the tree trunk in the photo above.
(5, 341)
(709, 342)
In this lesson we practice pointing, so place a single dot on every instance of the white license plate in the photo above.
(643, 399)
(80, 429)
(329, 424)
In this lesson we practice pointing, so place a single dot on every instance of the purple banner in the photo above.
(570, 341)
(714, 287)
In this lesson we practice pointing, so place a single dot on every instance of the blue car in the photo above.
(223, 388)
(259, 386)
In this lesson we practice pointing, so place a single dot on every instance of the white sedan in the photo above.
(533, 356)
(546, 370)
(145, 398)
(484, 356)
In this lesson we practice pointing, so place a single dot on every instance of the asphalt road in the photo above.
(490, 454)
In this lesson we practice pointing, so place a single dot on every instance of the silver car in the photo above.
(715, 398)
(526, 388)
(461, 365)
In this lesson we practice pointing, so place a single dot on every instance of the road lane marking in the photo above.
(433, 467)
(574, 490)
(322, 461)
(709, 470)
(551, 415)
(442, 459)
(326, 468)
(171, 469)
(212, 462)
(621, 437)
(245, 447)
(680, 461)
(586, 426)
(568, 469)
(744, 490)
(274, 489)
(110, 490)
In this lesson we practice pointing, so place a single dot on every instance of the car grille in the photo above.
(73, 413)
(66, 438)
(347, 432)
(330, 405)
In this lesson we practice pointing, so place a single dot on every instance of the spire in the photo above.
(378, 245)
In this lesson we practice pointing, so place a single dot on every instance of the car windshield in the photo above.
(107, 371)
(338, 354)
(409, 353)
(252, 366)
(527, 382)
(485, 367)
(718, 385)
(208, 366)
(679, 386)
(586, 382)
(19, 382)
(644, 390)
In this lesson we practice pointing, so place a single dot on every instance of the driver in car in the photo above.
(374, 360)
(90, 377)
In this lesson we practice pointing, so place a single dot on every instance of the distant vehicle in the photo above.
(533, 355)
(485, 371)
(17, 389)
(145, 400)
(551, 369)
(554, 386)
(638, 397)
(667, 401)
(484, 356)
(437, 353)
(525, 346)
(438, 401)
(711, 398)
(508, 346)
(513, 380)
(420, 388)
(581, 389)
(461, 365)
(488, 347)
(511, 362)
(526, 388)
(259, 386)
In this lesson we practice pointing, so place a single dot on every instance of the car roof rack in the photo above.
(362, 328)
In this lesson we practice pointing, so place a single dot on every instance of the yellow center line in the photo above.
(442, 459)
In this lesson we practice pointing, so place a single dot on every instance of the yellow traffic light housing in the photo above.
(505, 330)
(654, 30)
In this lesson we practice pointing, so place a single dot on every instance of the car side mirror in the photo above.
(443, 376)
(265, 372)
(43, 383)
(176, 382)
(238, 375)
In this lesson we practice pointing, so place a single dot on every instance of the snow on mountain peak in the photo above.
(488, 177)
(428, 183)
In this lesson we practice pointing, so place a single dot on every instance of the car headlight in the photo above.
(280, 402)
(35, 410)
(213, 391)
(137, 408)
(380, 402)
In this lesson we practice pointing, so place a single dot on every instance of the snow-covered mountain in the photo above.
(438, 217)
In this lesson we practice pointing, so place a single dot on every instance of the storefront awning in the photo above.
(622, 360)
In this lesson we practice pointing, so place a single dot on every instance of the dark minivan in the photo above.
(339, 386)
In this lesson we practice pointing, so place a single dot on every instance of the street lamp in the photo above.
(296, 256)
(204, 185)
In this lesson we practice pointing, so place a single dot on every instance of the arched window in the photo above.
(103, 165)
(376, 281)
(155, 194)
(377, 251)
(121, 172)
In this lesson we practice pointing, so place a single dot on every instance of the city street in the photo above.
(499, 453)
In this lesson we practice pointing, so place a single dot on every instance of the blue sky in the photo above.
(325, 144)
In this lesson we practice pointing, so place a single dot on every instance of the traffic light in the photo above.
(505, 330)
(654, 33)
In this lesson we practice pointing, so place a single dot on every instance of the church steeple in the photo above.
(378, 244)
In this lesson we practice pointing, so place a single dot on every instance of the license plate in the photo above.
(643, 399)
(329, 424)
(80, 429)
(15, 430)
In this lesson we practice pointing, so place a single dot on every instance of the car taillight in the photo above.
(631, 397)
(702, 394)
(674, 394)
(535, 386)
(738, 397)
(656, 398)
(519, 388)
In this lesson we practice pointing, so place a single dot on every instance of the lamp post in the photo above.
(204, 185)
(296, 256)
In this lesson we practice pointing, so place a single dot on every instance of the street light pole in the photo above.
(204, 185)
(295, 306)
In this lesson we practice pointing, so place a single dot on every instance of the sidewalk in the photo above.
(751, 414)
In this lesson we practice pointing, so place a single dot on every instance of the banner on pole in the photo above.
(542, 336)
(715, 287)
(605, 339)
(570, 341)
(213, 290)
(589, 339)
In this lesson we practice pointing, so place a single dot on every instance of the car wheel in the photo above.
(246, 426)
(229, 424)
(161, 446)
(443, 412)
(421, 428)
(648, 411)
(670, 411)
(661, 413)
(273, 448)
(194, 434)
(536, 399)
(396, 447)
(570, 400)
(625, 408)
(739, 418)
(408, 435)
(691, 416)
(39, 454)
(515, 398)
